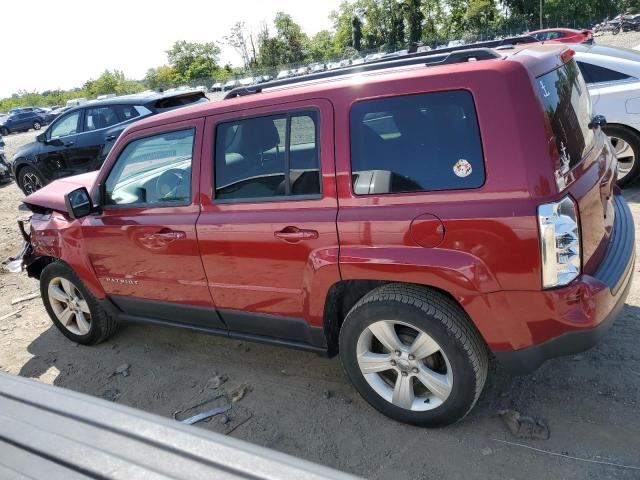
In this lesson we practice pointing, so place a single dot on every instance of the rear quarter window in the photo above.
(416, 143)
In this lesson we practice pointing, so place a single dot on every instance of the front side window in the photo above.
(99, 117)
(66, 126)
(416, 143)
(265, 157)
(153, 171)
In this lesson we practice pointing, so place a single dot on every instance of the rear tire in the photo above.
(29, 180)
(436, 385)
(72, 307)
(37, 125)
(626, 144)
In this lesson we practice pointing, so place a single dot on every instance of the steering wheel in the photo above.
(169, 182)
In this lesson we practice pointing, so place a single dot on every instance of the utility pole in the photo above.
(540, 14)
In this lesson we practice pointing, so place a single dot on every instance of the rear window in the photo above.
(416, 143)
(568, 108)
(176, 101)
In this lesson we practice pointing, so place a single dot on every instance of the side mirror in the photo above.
(78, 203)
(42, 138)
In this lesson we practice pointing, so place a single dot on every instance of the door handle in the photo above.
(110, 137)
(69, 144)
(295, 234)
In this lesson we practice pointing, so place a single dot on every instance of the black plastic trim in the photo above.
(277, 327)
(619, 257)
(288, 332)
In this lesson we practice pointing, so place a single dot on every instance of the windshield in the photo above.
(566, 102)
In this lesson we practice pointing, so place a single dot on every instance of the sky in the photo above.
(48, 47)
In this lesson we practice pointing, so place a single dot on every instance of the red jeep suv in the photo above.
(415, 216)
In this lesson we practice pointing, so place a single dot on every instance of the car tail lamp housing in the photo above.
(567, 55)
(560, 247)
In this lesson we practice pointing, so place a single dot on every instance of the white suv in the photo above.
(613, 78)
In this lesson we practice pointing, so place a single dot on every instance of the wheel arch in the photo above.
(345, 294)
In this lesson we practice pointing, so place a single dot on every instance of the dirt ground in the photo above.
(302, 404)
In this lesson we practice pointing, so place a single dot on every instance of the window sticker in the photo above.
(462, 168)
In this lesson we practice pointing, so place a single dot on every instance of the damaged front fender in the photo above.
(53, 237)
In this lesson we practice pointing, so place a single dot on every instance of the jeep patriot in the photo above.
(415, 217)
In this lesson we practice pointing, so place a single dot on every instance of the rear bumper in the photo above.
(587, 308)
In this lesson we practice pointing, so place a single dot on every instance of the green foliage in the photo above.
(193, 61)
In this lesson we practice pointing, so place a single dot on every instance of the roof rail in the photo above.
(442, 56)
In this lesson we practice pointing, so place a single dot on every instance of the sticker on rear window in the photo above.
(462, 168)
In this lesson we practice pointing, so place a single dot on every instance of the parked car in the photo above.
(304, 70)
(75, 102)
(29, 110)
(79, 140)
(480, 238)
(5, 168)
(613, 78)
(285, 74)
(55, 113)
(216, 87)
(230, 85)
(317, 67)
(563, 35)
(21, 122)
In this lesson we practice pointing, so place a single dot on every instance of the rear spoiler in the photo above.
(179, 99)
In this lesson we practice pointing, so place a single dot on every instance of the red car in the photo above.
(564, 35)
(413, 219)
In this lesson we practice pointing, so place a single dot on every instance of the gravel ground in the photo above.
(624, 39)
(303, 405)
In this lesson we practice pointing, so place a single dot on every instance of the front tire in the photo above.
(29, 180)
(413, 355)
(4, 131)
(626, 144)
(72, 307)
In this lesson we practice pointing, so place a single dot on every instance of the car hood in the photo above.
(27, 149)
(51, 197)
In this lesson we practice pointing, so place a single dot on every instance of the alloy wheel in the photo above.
(404, 365)
(31, 183)
(36, 125)
(69, 306)
(625, 154)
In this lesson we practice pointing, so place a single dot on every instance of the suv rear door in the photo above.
(143, 245)
(267, 230)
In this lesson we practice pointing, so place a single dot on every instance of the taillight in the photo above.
(567, 55)
(560, 248)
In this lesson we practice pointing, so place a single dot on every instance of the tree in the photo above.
(414, 18)
(162, 77)
(243, 43)
(321, 46)
(356, 33)
(192, 61)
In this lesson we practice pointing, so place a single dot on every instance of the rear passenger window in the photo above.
(127, 112)
(100, 117)
(266, 157)
(416, 143)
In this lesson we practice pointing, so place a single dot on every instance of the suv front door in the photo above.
(60, 140)
(143, 245)
(267, 230)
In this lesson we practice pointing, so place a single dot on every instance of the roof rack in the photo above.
(441, 56)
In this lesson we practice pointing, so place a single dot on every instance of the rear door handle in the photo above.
(295, 234)
(110, 137)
